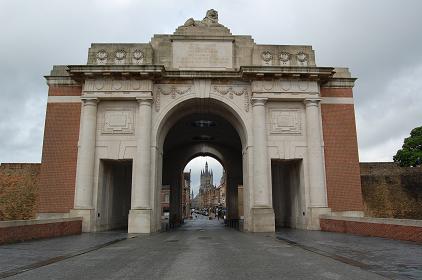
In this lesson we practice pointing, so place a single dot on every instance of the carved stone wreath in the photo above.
(101, 57)
(120, 56)
(229, 91)
(266, 56)
(284, 56)
(172, 91)
(102, 54)
(138, 56)
(302, 57)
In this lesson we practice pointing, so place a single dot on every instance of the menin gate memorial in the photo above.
(125, 124)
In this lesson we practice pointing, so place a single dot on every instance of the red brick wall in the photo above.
(336, 92)
(64, 90)
(37, 231)
(341, 153)
(399, 232)
(58, 165)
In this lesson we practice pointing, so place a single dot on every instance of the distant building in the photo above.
(210, 196)
(165, 201)
(222, 189)
(186, 199)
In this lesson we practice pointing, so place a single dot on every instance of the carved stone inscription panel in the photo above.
(286, 121)
(202, 54)
(118, 122)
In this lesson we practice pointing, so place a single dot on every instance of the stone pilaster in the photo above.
(83, 206)
(262, 211)
(140, 213)
(317, 189)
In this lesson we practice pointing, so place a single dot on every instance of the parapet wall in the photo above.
(408, 230)
(15, 231)
(391, 191)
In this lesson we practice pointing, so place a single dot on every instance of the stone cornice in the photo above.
(340, 83)
(314, 73)
(60, 81)
(82, 72)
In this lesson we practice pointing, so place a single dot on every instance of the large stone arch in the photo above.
(234, 113)
(183, 108)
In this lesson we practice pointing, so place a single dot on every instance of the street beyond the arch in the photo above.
(205, 249)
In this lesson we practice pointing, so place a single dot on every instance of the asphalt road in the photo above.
(201, 249)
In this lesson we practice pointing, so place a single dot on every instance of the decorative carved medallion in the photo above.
(99, 84)
(285, 58)
(118, 122)
(138, 57)
(229, 92)
(102, 57)
(136, 84)
(120, 56)
(170, 90)
(286, 121)
(303, 85)
(117, 84)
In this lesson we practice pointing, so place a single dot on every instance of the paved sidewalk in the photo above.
(18, 257)
(390, 258)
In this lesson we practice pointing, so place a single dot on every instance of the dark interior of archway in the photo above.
(198, 134)
(202, 128)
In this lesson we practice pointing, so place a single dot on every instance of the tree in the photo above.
(411, 152)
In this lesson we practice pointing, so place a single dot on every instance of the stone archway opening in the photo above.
(287, 193)
(202, 132)
(114, 194)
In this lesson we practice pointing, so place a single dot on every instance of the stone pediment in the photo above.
(209, 26)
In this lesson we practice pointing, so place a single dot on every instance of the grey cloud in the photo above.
(379, 40)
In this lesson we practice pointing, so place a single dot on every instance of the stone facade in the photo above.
(202, 91)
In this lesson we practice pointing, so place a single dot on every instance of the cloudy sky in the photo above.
(379, 40)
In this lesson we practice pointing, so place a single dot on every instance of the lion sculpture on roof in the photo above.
(210, 20)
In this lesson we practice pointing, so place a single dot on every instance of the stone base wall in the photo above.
(391, 191)
(15, 231)
(408, 230)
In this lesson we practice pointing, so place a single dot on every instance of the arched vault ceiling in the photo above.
(202, 128)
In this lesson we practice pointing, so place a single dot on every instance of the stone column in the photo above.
(317, 190)
(262, 212)
(140, 213)
(83, 205)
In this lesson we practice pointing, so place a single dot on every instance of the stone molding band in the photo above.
(77, 99)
